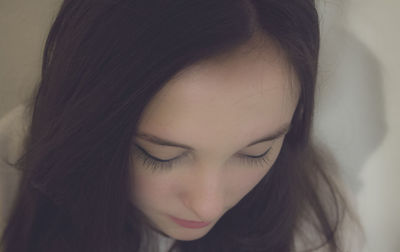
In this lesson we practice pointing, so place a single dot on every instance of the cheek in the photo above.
(148, 188)
(243, 181)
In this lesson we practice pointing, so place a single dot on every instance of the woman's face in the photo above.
(215, 111)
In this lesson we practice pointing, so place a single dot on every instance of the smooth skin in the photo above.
(216, 107)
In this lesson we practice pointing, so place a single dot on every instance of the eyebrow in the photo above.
(282, 130)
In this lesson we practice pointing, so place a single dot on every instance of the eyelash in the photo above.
(158, 164)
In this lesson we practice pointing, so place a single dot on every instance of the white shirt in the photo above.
(13, 127)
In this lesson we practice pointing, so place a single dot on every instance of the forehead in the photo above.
(241, 96)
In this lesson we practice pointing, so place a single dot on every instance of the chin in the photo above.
(189, 237)
(189, 234)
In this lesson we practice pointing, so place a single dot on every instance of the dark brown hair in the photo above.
(103, 62)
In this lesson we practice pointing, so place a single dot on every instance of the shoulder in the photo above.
(13, 127)
(12, 131)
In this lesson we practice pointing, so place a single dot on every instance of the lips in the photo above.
(189, 224)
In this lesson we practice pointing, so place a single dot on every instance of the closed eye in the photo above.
(155, 163)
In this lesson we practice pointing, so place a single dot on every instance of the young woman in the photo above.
(175, 125)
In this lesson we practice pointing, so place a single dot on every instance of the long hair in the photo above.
(103, 62)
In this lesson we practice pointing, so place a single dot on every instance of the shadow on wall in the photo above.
(350, 113)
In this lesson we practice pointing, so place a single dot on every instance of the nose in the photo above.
(204, 195)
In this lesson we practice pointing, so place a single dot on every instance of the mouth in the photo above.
(188, 223)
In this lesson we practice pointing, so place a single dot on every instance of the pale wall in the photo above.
(358, 109)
